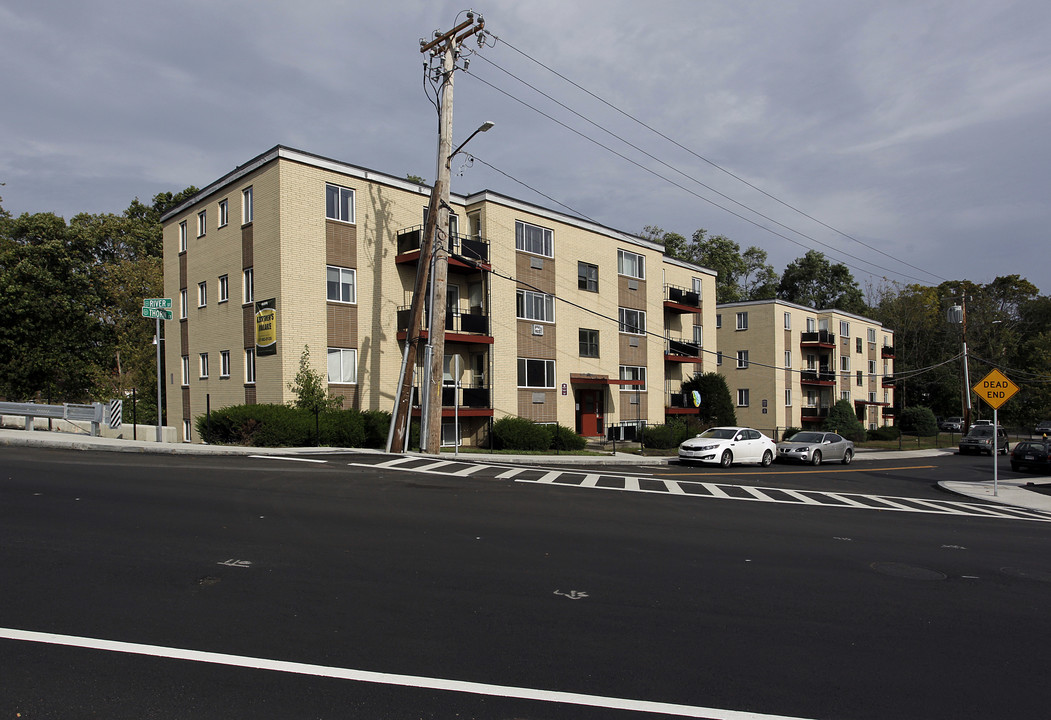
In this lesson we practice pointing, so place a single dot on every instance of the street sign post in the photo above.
(995, 389)
(157, 309)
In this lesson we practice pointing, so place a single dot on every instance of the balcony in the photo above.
(474, 400)
(814, 413)
(819, 339)
(677, 403)
(677, 350)
(888, 382)
(459, 327)
(472, 249)
(681, 300)
(824, 378)
(888, 412)
(887, 352)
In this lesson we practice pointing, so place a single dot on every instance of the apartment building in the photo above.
(786, 364)
(550, 317)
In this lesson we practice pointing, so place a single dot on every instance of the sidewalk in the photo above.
(1015, 492)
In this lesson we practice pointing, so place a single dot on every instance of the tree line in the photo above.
(1008, 321)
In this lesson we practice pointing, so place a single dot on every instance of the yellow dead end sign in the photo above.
(995, 389)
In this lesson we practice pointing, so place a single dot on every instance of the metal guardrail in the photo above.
(93, 413)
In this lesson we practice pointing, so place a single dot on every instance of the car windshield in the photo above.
(719, 433)
(981, 431)
(807, 437)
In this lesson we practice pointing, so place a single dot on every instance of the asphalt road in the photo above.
(267, 588)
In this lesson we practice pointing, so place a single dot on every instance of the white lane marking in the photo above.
(806, 499)
(674, 488)
(286, 457)
(590, 480)
(510, 473)
(549, 477)
(413, 681)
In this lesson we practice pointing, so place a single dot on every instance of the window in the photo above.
(861, 378)
(719, 357)
(788, 358)
(202, 293)
(185, 370)
(857, 344)
(449, 436)
(872, 397)
(742, 397)
(587, 276)
(182, 236)
(247, 210)
(342, 365)
(718, 320)
(224, 288)
(536, 373)
(248, 285)
(788, 397)
(534, 239)
(811, 362)
(788, 321)
(844, 328)
(535, 306)
(339, 203)
(342, 284)
(631, 264)
(202, 223)
(632, 321)
(811, 325)
(204, 365)
(224, 363)
(224, 213)
(183, 310)
(872, 367)
(454, 222)
(742, 321)
(633, 372)
(588, 343)
(844, 395)
(872, 335)
(742, 359)
(697, 286)
(249, 366)
(844, 363)
(698, 335)
(186, 431)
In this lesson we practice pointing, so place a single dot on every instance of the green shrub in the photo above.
(918, 421)
(343, 428)
(281, 426)
(843, 420)
(887, 432)
(562, 438)
(515, 433)
(377, 426)
(789, 432)
(669, 435)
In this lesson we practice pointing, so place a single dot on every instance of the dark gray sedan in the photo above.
(814, 447)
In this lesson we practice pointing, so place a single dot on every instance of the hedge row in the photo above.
(515, 433)
(283, 426)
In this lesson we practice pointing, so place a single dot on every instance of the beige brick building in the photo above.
(562, 320)
(786, 364)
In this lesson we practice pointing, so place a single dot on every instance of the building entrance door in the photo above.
(590, 413)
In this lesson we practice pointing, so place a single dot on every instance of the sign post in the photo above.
(995, 389)
(157, 308)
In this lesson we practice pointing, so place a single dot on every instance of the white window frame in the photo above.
(202, 223)
(844, 363)
(224, 212)
(872, 367)
(248, 285)
(202, 294)
(844, 328)
(743, 397)
(185, 362)
(224, 288)
(224, 363)
(342, 210)
(544, 245)
(697, 286)
(247, 205)
(631, 264)
(637, 328)
(548, 372)
(633, 372)
(203, 365)
(534, 306)
(718, 321)
(742, 320)
(718, 357)
(341, 356)
(844, 395)
(788, 321)
(872, 335)
(742, 359)
(342, 282)
(449, 429)
(184, 301)
(788, 359)
(249, 366)
(186, 431)
(182, 236)
(788, 397)
(698, 335)
(811, 325)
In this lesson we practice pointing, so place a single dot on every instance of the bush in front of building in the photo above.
(667, 436)
(377, 426)
(716, 404)
(564, 439)
(843, 420)
(887, 432)
(282, 426)
(515, 433)
(918, 421)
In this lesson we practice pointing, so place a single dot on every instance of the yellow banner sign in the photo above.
(266, 327)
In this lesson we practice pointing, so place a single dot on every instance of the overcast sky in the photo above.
(914, 134)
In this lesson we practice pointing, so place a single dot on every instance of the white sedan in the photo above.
(727, 445)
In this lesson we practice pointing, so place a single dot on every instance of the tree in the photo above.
(311, 389)
(814, 281)
(416, 179)
(918, 421)
(716, 404)
(843, 420)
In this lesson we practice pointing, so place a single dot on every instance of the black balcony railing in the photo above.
(814, 411)
(682, 296)
(821, 337)
(471, 396)
(817, 376)
(887, 351)
(471, 248)
(680, 347)
(462, 323)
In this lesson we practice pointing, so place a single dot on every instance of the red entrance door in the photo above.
(590, 414)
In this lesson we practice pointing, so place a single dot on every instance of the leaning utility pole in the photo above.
(444, 44)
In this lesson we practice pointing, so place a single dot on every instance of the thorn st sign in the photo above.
(157, 313)
(995, 389)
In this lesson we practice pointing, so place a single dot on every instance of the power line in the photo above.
(714, 164)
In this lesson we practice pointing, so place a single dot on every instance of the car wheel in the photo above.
(727, 459)
(848, 456)
(815, 459)
(1015, 466)
(768, 458)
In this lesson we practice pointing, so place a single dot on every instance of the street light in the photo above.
(484, 127)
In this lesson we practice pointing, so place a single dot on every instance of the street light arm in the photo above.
(485, 127)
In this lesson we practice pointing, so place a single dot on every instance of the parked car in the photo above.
(983, 422)
(1043, 428)
(814, 447)
(980, 440)
(951, 424)
(1032, 455)
(727, 445)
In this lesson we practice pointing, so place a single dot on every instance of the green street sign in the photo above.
(157, 303)
(157, 313)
